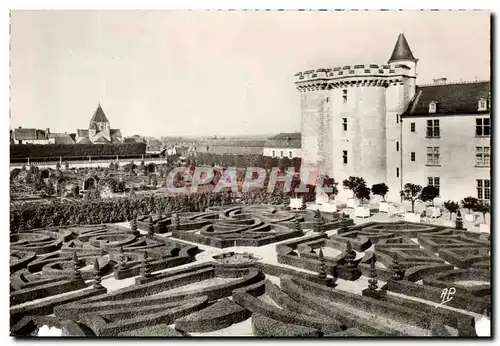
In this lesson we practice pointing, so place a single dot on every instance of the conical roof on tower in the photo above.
(402, 50)
(99, 116)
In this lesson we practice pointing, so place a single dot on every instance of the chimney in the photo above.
(440, 80)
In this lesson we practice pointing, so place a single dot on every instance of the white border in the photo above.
(179, 4)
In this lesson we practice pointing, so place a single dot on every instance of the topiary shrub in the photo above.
(451, 206)
(380, 190)
(428, 194)
(411, 193)
(469, 203)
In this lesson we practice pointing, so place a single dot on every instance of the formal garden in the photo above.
(210, 266)
(111, 251)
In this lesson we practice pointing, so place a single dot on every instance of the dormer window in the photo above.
(432, 107)
(483, 105)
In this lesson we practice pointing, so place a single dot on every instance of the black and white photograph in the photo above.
(250, 173)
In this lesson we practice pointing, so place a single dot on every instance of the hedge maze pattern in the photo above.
(56, 277)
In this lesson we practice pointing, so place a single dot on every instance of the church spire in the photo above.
(402, 50)
(99, 116)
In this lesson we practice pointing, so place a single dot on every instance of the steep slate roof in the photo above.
(461, 98)
(82, 132)
(84, 140)
(280, 143)
(62, 138)
(99, 116)
(115, 133)
(402, 50)
(29, 134)
(66, 139)
(102, 140)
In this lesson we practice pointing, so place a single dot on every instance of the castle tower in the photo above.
(402, 54)
(345, 113)
(398, 95)
(316, 121)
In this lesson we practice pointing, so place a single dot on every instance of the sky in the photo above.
(205, 73)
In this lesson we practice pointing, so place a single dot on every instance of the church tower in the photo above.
(99, 123)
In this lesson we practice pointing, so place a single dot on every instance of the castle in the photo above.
(375, 122)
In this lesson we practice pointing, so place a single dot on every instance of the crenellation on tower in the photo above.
(319, 77)
(356, 133)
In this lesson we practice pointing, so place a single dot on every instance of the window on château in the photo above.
(397, 146)
(281, 153)
(433, 128)
(412, 127)
(412, 156)
(290, 154)
(433, 181)
(432, 156)
(344, 156)
(483, 156)
(397, 118)
(432, 107)
(483, 127)
(273, 153)
(344, 95)
(483, 105)
(344, 123)
(483, 189)
(397, 172)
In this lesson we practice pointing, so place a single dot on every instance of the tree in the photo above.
(411, 193)
(352, 183)
(380, 190)
(483, 208)
(331, 184)
(362, 193)
(451, 206)
(428, 194)
(469, 203)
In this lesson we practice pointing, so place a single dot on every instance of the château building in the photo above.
(375, 122)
